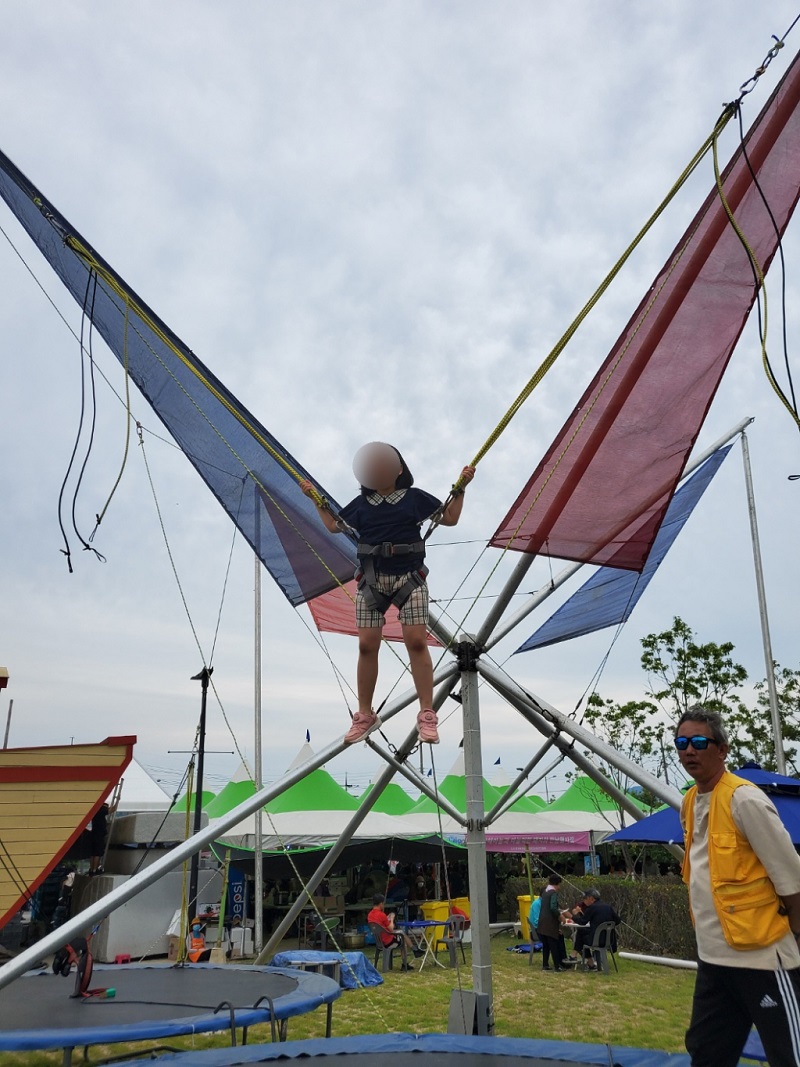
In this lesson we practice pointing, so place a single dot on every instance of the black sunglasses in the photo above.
(699, 743)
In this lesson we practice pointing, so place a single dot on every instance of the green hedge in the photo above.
(655, 911)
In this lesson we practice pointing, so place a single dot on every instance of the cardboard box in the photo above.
(330, 905)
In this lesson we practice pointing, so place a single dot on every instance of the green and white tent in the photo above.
(238, 789)
(526, 803)
(394, 800)
(586, 795)
(314, 811)
(205, 799)
(453, 787)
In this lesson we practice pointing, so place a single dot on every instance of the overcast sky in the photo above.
(371, 220)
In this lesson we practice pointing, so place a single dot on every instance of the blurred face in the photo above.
(377, 466)
(705, 765)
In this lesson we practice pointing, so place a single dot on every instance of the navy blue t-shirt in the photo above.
(399, 523)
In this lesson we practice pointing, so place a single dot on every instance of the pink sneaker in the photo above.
(426, 724)
(363, 721)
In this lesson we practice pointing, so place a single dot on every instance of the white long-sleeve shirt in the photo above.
(756, 817)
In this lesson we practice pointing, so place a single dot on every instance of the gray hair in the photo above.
(711, 719)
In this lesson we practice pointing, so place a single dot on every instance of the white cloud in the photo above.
(371, 220)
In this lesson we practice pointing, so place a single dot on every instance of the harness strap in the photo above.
(387, 549)
(376, 599)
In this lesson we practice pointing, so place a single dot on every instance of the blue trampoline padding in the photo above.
(356, 969)
(753, 1049)
(39, 998)
(481, 1050)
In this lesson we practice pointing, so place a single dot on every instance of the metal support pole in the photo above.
(769, 662)
(203, 678)
(495, 612)
(476, 833)
(507, 800)
(619, 797)
(258, 852)
(532, 603)
(549, 720)
(331, 857)
(418, 783)
(8, 722)
(99, 909)
(583, 763)
(440, 630)
(527, 709)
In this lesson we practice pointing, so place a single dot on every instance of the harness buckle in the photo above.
(387, 549)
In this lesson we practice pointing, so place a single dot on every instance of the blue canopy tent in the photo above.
(664, 825)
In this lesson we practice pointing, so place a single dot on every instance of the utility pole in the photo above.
(203, 678)
(3, 685)
(8, 722)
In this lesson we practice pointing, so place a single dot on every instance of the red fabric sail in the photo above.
(335, 612)
(603, 487)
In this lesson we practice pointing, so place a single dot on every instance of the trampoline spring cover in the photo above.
(436, 1050)
(152, 1001)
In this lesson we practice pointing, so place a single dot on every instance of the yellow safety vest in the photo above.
(749, 909)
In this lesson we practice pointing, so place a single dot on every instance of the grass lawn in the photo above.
(643, 1005)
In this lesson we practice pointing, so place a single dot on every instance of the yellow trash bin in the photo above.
(436, 909)
(524, 903)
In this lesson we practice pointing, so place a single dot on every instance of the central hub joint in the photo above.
(467, 655)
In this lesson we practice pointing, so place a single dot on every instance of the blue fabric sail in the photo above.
(251, 474)
(610, 595)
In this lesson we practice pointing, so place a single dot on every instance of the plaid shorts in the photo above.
(413, 613)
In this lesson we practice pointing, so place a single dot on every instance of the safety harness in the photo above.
(77, 952)
(375, 598)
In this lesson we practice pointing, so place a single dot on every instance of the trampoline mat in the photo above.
(155, 1000)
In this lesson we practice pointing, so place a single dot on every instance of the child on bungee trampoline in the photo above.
(387, 515)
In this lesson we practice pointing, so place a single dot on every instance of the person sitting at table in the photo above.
(379, 916)
(420, 887)
(591, 913)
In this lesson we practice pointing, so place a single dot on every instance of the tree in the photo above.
(682, 672)
(631, 728)
(750, 729)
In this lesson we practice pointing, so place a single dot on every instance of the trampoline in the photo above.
(438, 1050)
(156, 1001)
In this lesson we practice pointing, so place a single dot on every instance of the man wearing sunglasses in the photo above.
(743, 875)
